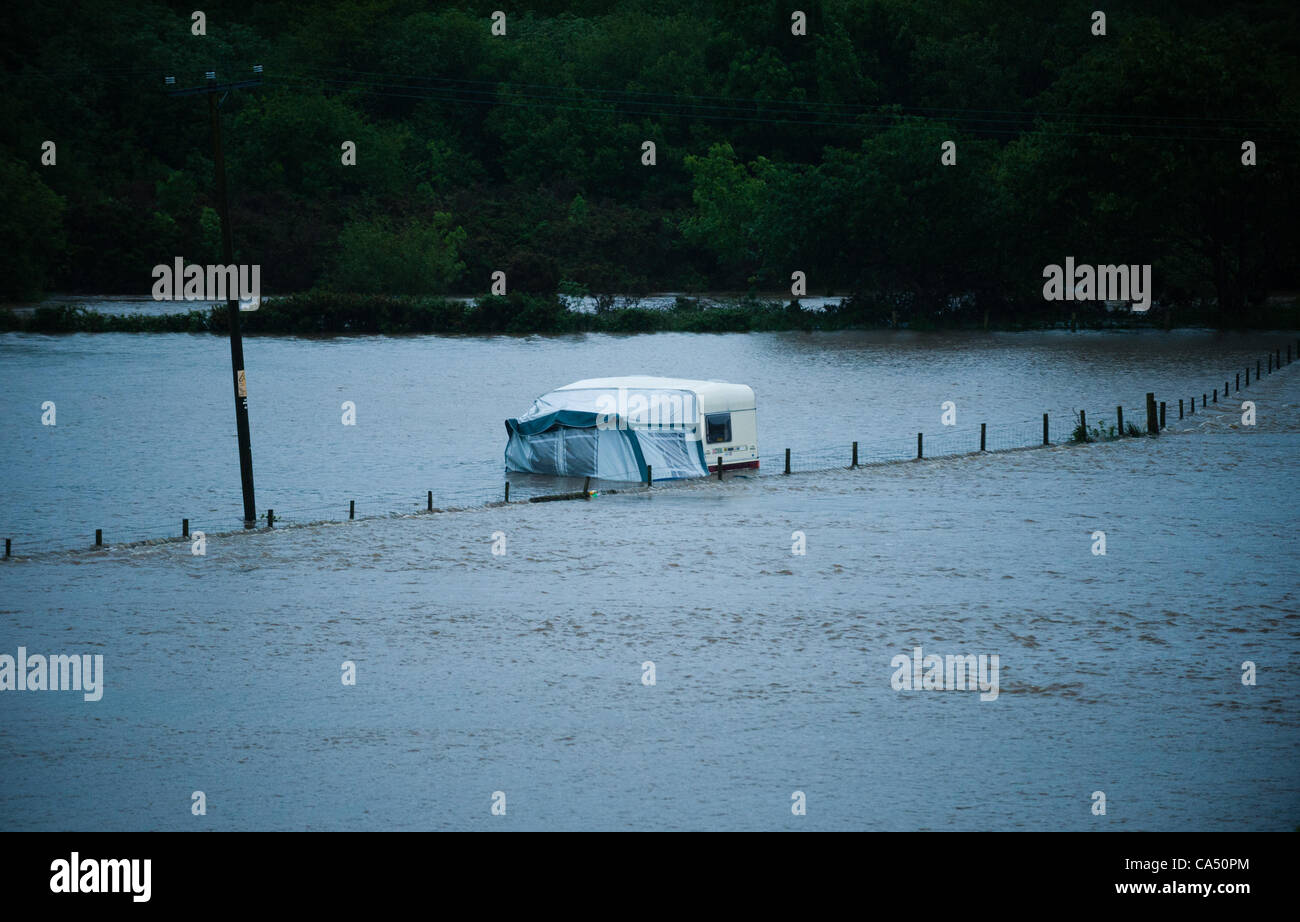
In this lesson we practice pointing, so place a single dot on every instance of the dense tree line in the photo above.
(774, 152)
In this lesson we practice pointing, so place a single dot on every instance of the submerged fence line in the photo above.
(1130, 422)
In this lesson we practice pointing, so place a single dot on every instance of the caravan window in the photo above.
(717, 428)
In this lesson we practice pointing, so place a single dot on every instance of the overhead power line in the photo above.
(752, 110)
(307, 70)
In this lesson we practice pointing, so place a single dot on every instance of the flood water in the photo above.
(522, 672)
(144, 432)
(134, 304)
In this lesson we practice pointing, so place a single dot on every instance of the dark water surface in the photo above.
(145, 429)
(522, 672)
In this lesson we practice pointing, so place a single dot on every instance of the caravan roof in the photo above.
(712, 395)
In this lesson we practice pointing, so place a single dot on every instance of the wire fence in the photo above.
(125, 530)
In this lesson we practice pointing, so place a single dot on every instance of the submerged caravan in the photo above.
(624, 429)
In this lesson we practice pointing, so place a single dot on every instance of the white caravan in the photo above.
(623, 428)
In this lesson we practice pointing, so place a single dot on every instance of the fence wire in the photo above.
(1062, 428)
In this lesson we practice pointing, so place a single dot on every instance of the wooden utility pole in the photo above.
(211, 89)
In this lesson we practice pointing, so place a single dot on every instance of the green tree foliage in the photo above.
(775, 153)
(413, 258)
(31, 230)
(728, 202)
